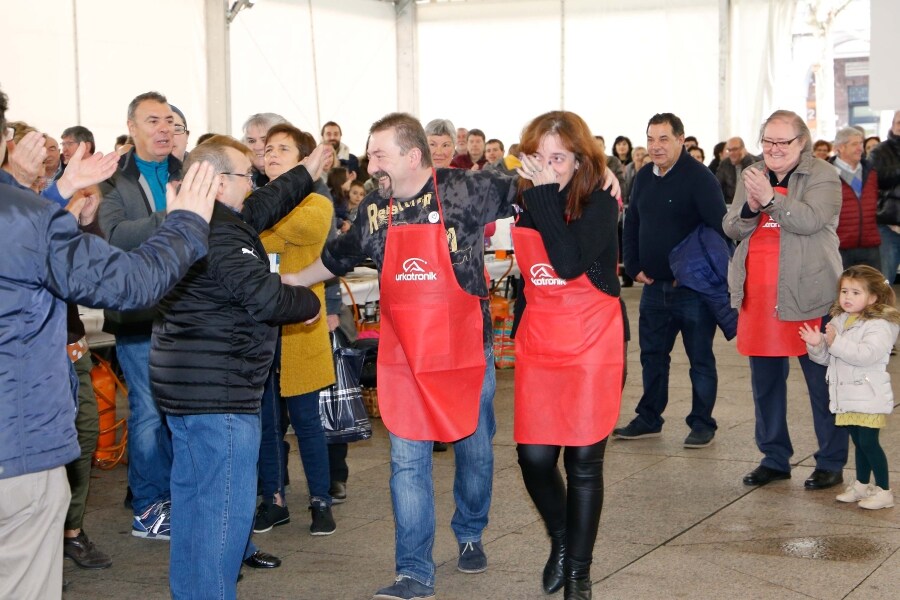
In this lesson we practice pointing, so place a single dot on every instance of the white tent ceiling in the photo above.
(492, 64)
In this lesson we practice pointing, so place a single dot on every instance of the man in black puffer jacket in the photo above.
(885, 159)
(210, 352)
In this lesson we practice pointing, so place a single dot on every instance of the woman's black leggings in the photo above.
(575, 511)
(870, 456)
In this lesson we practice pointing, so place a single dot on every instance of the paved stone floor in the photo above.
(677, 523)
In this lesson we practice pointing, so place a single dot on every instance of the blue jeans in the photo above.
(890, 252)
(666, 310)
(412, 489)
(149, 441)
(272, 448)
(213, 501)
(304, 412)
(768, 378)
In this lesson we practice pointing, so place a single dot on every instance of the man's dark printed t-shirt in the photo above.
(469, 199)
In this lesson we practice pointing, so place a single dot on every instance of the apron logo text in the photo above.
(544, 274)
(414, 270)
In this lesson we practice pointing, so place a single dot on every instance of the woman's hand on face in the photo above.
(535, 172)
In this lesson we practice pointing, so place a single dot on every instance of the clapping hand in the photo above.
(84, 172)
(812, 335)
(26, 159)
(759, 190)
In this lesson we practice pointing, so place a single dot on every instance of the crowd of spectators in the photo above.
(282, 191)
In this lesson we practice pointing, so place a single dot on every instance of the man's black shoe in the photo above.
(762, 475)
(338, 492)
(262, 560)
(85, 554)
(822, 479)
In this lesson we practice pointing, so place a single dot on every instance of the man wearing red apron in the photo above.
(424, 230)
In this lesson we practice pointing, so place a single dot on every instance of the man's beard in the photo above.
(385, 190)
(336, 145)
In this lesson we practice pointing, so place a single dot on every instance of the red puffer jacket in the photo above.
(856, 226)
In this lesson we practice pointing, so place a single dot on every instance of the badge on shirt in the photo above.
(434, 217)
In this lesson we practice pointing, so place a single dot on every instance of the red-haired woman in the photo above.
(570, 339)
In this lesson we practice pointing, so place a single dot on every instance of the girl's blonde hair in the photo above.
(874, 283)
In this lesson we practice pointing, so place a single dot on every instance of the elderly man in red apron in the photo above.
(424, 229)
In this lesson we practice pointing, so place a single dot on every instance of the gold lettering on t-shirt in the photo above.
(451, 239)
(378, 217)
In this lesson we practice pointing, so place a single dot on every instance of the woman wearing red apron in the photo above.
(569, 341)
(784, 273)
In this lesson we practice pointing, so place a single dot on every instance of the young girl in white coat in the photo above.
(856, 347)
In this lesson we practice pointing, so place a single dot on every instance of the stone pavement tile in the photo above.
(787, 504)
(822, 566)
(882, 583)
(673, 573)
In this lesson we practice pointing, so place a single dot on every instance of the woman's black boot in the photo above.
(578, 580)
(554, 578)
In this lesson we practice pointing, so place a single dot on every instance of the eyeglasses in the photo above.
(772, 144)
(247, 176)
(68, 144)
(179, 129)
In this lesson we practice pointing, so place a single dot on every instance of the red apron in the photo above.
(569, 354)
(760, 332)
(431, 350)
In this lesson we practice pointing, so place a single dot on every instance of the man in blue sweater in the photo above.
(667, 203)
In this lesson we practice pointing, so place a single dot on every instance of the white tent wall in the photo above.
(315, 61)
(492, 64)
(122, 50)
(622, 61)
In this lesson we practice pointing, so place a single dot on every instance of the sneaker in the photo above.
(635, 431)
(269, 515)
(338, 492)
(855, 492)
(322, 519)
(405, 588)
(878, 499)
(85, 554)
(471, 558)
(154, 524)
(699, 438)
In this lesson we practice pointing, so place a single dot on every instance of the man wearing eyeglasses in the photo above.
(133, 207)
(729, 170)
(180, 133)
(212, 348)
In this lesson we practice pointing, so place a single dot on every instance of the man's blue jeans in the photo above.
(412, 489)
(666, 310)
(213, 501)
(149, 440)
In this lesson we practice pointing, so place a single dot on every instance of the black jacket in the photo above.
(885, 160)
(127, 217)
(215, 341)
